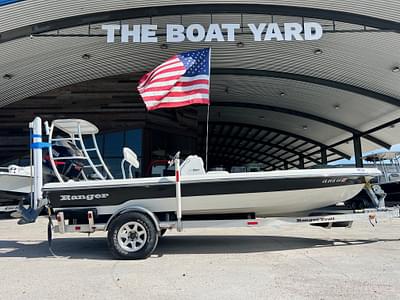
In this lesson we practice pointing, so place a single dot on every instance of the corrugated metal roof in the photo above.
(35, 11)
(363, 60)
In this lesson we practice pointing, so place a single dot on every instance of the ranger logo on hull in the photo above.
(83, 197)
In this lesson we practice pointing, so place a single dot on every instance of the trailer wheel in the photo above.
(132, 235)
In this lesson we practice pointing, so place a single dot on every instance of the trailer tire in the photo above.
(132, 235)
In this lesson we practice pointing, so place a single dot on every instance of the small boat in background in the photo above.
(389, 164)
(15, 186)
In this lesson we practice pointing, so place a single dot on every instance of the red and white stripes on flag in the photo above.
(182, 80)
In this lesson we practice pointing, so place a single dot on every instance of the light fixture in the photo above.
(240, 44)
(317, 51)
(7, 76)
(164, 46)
(86, 56)
(396, 69)
(337, 106)
(305, 127)
(282, 94)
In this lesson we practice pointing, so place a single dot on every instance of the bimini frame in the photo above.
(78, 130)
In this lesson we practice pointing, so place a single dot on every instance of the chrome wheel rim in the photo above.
(132, 236)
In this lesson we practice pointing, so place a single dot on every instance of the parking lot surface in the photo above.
(248, 263)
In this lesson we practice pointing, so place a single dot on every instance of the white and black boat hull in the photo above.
(268, 196)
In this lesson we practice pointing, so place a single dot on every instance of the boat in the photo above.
(215, 193)
(136, 212)
(275, 193)
(15, 186)
(389, 164)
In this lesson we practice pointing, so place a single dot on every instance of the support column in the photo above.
(286, 165)
(324, 156)
(357, 151)
(301, 162)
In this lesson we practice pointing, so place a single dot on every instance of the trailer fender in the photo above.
(134, 209)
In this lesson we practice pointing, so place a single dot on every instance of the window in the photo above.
(113, 143)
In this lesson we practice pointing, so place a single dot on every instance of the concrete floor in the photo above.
(251, 263)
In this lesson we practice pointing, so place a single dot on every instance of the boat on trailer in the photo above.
(135, 211)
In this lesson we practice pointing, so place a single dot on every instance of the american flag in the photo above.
(182, 80)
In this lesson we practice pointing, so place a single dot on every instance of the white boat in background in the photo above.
(15, 185)
(389, 164)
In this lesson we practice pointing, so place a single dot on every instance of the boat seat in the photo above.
(131, 158)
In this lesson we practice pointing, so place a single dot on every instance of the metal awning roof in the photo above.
(347, 90)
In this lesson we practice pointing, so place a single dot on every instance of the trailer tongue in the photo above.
(136, 212)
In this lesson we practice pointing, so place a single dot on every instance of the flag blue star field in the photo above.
(182, 80)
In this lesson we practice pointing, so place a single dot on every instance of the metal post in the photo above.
(37, 162)
(301, 162)
(178, 192)
(324, 157)
(357, 151)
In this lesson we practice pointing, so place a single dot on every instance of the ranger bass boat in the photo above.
(135, 212)
(272, 193)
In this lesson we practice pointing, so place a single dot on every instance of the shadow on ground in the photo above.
(96, 248)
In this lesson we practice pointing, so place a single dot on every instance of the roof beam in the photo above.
(227, 157)
(309, 79)
(252, 151)
(300, 137)
(302, 115)
(273, 146)
(245, 158)
(372, 130)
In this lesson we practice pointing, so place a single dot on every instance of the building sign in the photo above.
(177, 33)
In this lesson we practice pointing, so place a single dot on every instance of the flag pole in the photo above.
(208, 106)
